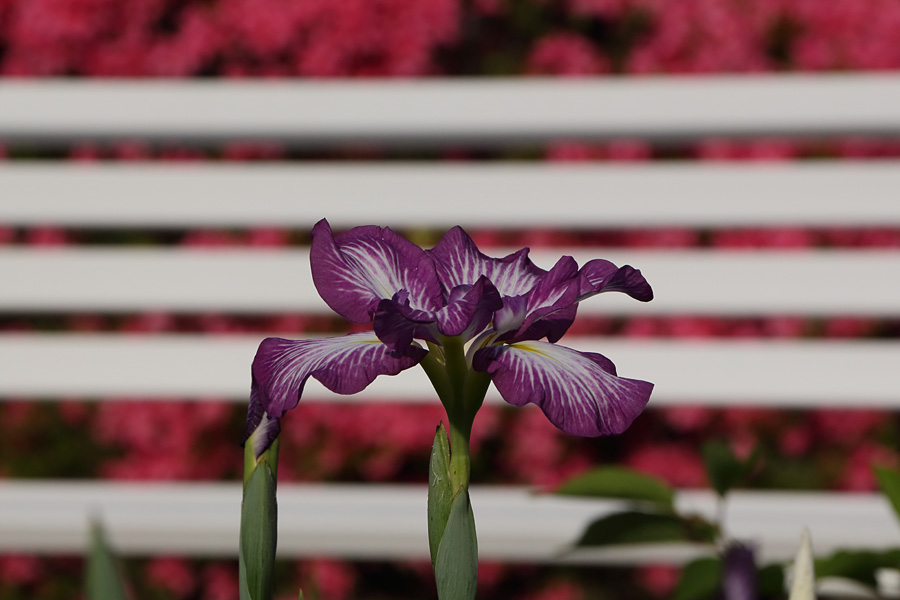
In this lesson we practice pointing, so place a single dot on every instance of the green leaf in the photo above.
(618, 482)
(771, 581)
(440, 490)
(259, 530)
(456, 565)
(700, 580)
(724, 469)
(858, 565)
(889, 482)
(635, 527)
(104, 577)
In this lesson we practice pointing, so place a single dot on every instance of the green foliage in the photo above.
(771, 581)
(725, 470)
(619, 482)
(700, 580)
(440, 491)
(104, 576)
(858, 565)
(634, 527)
(456, 564)
(889, 482)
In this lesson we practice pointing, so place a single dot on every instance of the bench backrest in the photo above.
(434, 195)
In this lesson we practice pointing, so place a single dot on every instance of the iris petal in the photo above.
(355, 270)
(469, 309)
(345, 365)
(397, 324)
(600, 275)
(459, 262)
(550, 306)
(579, 392)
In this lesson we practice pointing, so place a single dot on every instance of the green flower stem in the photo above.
(461, 391)
(451, 524)
(460, 464)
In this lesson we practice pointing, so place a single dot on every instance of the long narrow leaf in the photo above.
(104, 577)
(259, 530)
(456, 566)
(440, 491)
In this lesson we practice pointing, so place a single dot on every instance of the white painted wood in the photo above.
(474, 110)
(718, 373)
(440, 195)
(388, 521)
(699, 281)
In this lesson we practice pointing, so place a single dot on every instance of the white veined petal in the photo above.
(579, 392)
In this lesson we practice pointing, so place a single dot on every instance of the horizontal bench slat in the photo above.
(698, 281)
(388, 522)
(722, 372)
(469, 110)
(839, 194)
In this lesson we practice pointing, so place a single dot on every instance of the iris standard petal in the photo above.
(459, 262)
(356, 269)
(345, 365)
(550, 306)
(468, 312)
(469, 309)
(397, 324)
(600, 275)
(579, 392)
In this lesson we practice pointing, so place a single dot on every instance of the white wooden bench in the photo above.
(52, 516)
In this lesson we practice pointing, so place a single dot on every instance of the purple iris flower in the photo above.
(462, 315)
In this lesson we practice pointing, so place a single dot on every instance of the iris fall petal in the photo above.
(579, 392)
(345, 365)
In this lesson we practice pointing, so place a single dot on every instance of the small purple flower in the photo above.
(739, 578)
(463, 316)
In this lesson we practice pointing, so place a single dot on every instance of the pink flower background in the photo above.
(818, 449)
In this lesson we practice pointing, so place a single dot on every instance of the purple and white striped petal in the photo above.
(579, 392)
(459, 262)
(551, 304)
(397, 325)
(345, 365)
(356, 269)
(469, 309)
(261, 431)
(601, 275)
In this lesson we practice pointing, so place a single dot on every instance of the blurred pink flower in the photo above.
(795, 441)
(678, 464)
(659, 580)
(686, 419)
(561, 590)
(172, 574)
(332, 579)
(20, 569)
(848, 427)
(565, 54)
(46, 236)
(220, 582)
(572, 151)
(857, 475)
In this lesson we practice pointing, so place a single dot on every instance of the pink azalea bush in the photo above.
(409, 38)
